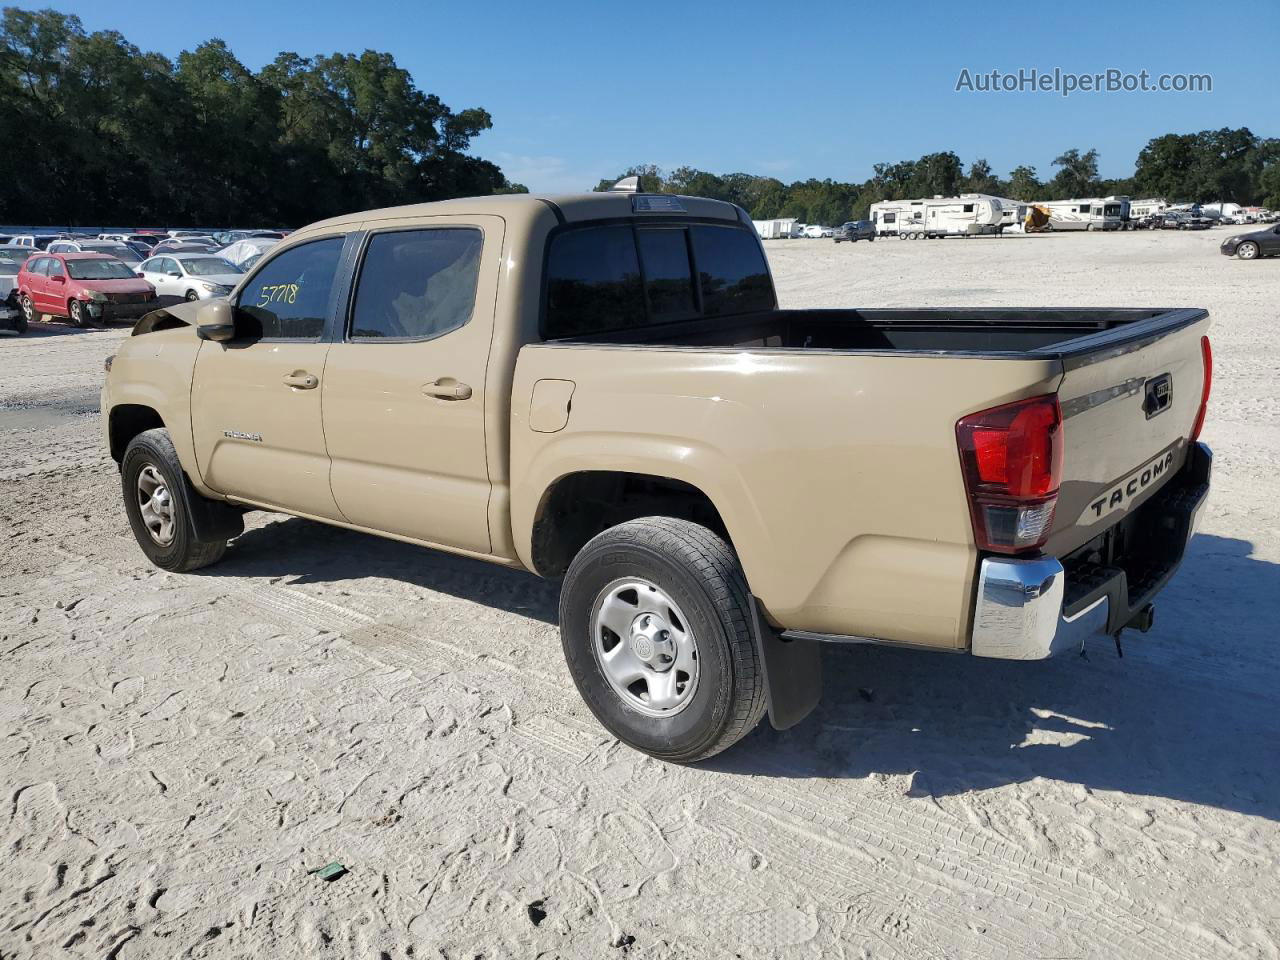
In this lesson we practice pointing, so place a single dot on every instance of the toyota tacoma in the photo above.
(602, 389)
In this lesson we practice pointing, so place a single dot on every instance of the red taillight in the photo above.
(1207, 352)
(1012, 461)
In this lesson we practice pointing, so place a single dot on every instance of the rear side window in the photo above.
(623, 277)
(731, 271)
(417, 284)
(593, 282)
(289, 297)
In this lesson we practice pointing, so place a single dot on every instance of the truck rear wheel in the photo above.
(655, 621)
(156, 501)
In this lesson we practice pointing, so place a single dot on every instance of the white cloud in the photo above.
(543, 174)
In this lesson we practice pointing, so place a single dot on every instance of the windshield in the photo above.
(11, 263)
(208, 266)
(98, 270)
(117, 250)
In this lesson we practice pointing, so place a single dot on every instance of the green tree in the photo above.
(1078, 176)
(127, 136)
(981, 179)
(1024, 185)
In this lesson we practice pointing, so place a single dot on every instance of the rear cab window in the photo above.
(615, 277)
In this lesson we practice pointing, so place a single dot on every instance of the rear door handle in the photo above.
(301, 380)
(447, 388)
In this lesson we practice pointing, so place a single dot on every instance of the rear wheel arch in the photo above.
(581, 505)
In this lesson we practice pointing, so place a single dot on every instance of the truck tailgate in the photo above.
(1128, 412)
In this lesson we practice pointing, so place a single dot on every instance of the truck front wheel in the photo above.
(156, 501)
(655, 621)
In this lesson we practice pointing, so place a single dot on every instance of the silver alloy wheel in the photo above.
(76, 312)
(645, 647)
(155, 501)
(1247, 251)
(28, 310)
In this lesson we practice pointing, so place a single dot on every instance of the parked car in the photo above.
(147, 240)
(113, 248)
(939, 479)
(814, 231)
(85, 287)
(855, 230)
(192, 276)
(11, 260)
(192, 236)
(183, 246)
(38, 241)
(1183, 220)
(1251, 246)
(242, 251)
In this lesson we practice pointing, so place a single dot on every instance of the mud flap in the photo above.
(792, 672)
(211, 520)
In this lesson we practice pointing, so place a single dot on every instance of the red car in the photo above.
(87, 287)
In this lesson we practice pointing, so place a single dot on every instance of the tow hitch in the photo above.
(1142, 621)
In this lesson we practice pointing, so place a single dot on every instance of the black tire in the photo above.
(702, 575)
(153, 448)
(77, 313)
(191, 296)
(1250, 254)
(29, 314)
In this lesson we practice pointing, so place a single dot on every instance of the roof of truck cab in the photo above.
(572, 208)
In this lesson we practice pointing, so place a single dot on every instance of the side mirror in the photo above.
(176, 274)
(139, 275)
(215, 321)
(57, 278)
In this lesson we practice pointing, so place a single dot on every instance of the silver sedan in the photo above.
(192, 276)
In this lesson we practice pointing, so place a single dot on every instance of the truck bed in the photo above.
(831, 437)
(1041, 333)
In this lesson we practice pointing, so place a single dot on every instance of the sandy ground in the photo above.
(178, 751)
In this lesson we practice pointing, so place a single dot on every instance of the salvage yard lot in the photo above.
(179, 751)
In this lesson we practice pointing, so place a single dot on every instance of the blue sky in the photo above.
(579, 91)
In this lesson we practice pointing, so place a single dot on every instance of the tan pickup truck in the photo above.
(602, 388)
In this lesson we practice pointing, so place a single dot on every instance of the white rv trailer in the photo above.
(1012, 214)
(966, 215)
(1089, 213)
(783, 229)
(1147, 208)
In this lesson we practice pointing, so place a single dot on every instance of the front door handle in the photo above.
(301, 380)
(447, 388)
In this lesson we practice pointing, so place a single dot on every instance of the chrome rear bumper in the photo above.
(1020, 612)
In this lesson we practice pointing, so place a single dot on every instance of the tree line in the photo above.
(1231, 165)
(101, 132)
